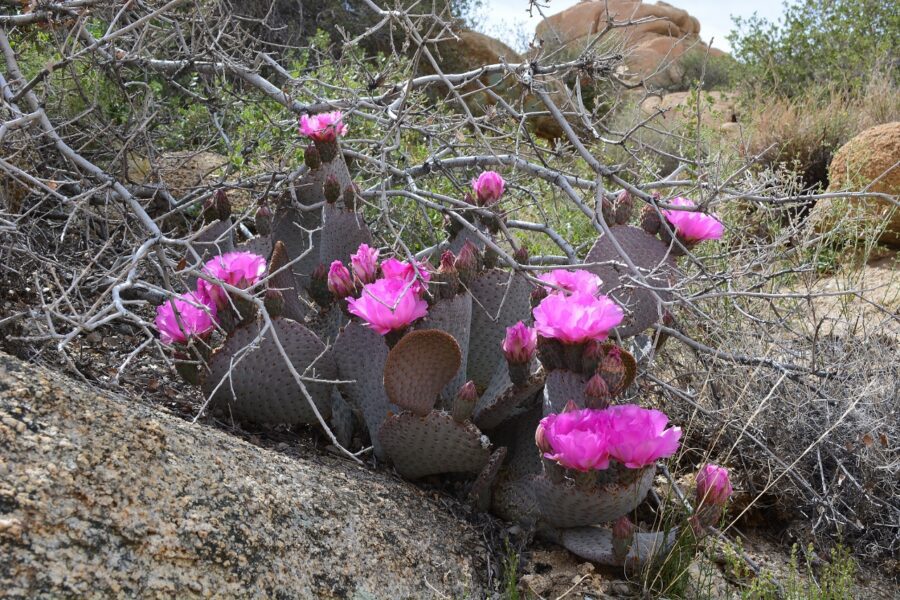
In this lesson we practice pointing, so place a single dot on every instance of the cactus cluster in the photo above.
(454, 367)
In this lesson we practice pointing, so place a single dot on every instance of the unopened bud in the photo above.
(624, 207)
(596, 392)
(650, 221)
(464, 403)
(332, 189)
(537, 295)
(351, 196)
(623, 537)
(467, 260)
(263, 220)
(521, 255)
(612, 369)
(311, 157)
(540, 440)
(448, 262)
(570, 407)
(340, 282)
(274, 302)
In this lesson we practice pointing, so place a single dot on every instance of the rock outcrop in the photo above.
(868, 162)
(652, 46)
(103, 497)
(717, 109)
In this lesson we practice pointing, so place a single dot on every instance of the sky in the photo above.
(714, 15)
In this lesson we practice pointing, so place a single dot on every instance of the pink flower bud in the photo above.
(320, 273)
(713, 485)
(365, 264)
(448, 262)
(612, 369)
(465, 401)
(540, 440)
(340, 283)
(488, 188)
(623, 528)
(311, 157)
(467, 260)
(624, 207)
(650, 221)
(596, 389)
(520, 343)
(521, 255)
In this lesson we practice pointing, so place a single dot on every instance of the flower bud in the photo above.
(365, 264)
(650, 221)
(623, 537)
(274, 302)
(467, 261)
(538, 294)
(311, 157)
(331, 189)
(591, 357)
(448, 262)
(520, 344)
(488, 188)
(318, 286)
(340, 283)
(351, 196)
(612, 369)
(521, 255)
(713, 485)
(596, 392)
(465, 401)
(608, 210)
(624, 207)
(263, 220)
(570, 406)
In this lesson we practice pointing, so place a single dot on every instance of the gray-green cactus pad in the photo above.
(420, 446)
(260, 245)
(513, 499)
(566, 505)
(656, 265)
(419, 367)
(213, 239)
(360, 354)
(454, 316)
(250, 381)
(502, 400)
(500, 300)
(298, 229)
(342, 233)
(563, 385)
(596, 545)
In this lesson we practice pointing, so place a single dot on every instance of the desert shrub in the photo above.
(709, 72)
(817, 42)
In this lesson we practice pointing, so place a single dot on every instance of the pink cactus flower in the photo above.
(520, 344)
(340, 283)
(638, 436)
(388, 305)
(577, 438)
(691, 226)
(405, 271)
(197, 315)
(488, 188)
(579, 280)
(324, 127)
(577, 318)
(713, 485)
(365, 264)
(239, 269)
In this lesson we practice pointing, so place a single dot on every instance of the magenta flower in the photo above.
(488, 188)
(638, 436)
(388, 305)
(579, 280)
(520, 343)
(577, 318)
(405, 271)
(577, 439)
(340, 283)
(713, 485)
(691, 226)
(324, 127)
(238, 269)
(197, 315)
(365, 264)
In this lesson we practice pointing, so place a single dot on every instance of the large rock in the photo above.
(868, 162)
(717, 109)
(102, 497)
(652, 48)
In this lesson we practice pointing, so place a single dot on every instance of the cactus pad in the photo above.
(566, 505)
(342, 233)
(285, 281)
(260, 245)
(360, 354)
(419, 367)
(503, 400)
(500, 300)
(656, 265)
(480, 492)
(249, 380)
(453, 315)
(420, 446)
(513, 500)
(562, 386)
(596, 545)
(296, 229)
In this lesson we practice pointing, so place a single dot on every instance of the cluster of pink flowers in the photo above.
(388, 304)
(576, 313)
(693, 226)
(585, 439)
(197, 311)
(488, 188)
(324, 127)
